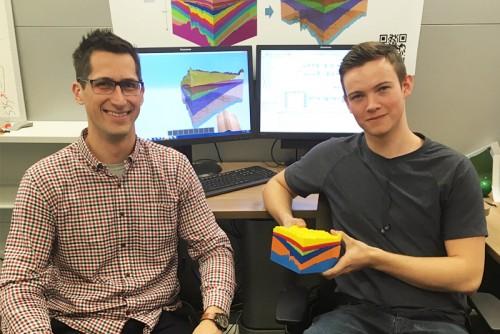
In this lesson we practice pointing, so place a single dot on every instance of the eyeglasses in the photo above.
(106, 86)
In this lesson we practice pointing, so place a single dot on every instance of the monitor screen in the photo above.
(196, 95)
(299, 92)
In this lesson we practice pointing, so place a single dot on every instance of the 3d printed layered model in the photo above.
(208, 93)
(214, 22)
(303, 250)
(325, 19)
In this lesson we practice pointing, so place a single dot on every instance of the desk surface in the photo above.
(248, 204)
(493, 240)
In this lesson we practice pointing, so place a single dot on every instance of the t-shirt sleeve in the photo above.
(307, 175)
(463, 210)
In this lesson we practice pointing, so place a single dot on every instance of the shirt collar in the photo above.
(94, 162)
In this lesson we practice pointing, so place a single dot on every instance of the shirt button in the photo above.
(127, 312)
(122, 214)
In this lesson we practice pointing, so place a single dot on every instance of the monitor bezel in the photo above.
(309, 136)
(223, 137)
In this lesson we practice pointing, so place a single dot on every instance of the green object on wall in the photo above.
(485, 184)
(483, 163)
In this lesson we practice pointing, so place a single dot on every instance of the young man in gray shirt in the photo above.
(410, 210)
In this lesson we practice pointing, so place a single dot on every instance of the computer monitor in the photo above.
(299, 93)
(196, 95)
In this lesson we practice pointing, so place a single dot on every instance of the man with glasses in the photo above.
(410, 210)
(95, 228)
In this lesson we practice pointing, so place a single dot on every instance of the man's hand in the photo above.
(356, 256)
(207, 327)
(294, 221)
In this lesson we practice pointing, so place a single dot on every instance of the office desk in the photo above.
(248, 204)
(493, 240)
(260, 293)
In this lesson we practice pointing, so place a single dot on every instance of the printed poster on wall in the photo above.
(157, 23)
(11, 94)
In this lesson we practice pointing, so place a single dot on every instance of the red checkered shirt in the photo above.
(92, 249)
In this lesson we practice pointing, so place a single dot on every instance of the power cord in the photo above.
(218, 153)
(273, 157)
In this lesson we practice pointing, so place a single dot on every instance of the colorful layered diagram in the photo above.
(214, 22)
(325, 19)
(207, 93)
(303, 250)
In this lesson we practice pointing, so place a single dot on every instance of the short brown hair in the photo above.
(362, 53)
(101, 40)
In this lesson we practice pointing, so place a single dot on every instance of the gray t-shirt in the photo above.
(406, 205)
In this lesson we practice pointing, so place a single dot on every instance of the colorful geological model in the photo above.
(207, 93)
(325, 19)
(303, 250)
(214, 22)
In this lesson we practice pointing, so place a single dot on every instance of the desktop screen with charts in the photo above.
(300, 92)
(195, 94)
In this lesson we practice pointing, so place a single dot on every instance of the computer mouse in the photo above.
(206, 167)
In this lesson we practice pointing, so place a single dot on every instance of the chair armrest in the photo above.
(487, 306)
(292, 305)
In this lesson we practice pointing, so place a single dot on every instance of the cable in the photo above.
(273, 157)
(218, 153)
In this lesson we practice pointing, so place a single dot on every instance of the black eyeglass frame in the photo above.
(122, 84)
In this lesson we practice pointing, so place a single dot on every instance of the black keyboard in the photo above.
(235, 179)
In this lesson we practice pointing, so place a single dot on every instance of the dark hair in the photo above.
(362, 53)
(101, 40)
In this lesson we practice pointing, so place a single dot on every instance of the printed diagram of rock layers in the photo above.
(208, 93)
(214, 22)
(6, 108)
(325, 19)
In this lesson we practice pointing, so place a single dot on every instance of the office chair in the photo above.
(298, 304)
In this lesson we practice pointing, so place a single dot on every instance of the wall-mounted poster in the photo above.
(153, 23)
(11, 94)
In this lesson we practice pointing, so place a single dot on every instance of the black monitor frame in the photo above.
(292, 139)
(184, 144)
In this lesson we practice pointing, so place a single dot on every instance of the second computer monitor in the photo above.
(299, 92)
(196, 95)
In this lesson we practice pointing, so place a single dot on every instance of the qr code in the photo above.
(398, 40)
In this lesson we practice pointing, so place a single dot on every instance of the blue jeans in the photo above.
(371, 319)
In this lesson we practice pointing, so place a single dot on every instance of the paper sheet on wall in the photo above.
(157, 23)
(11, 96)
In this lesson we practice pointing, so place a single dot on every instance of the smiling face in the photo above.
(110, 117)
(376, 98)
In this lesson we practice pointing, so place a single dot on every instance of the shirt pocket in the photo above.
(156, 227)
